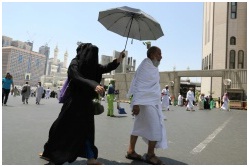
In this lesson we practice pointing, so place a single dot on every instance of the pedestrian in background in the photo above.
(72, 134)
(147, 108)
(165, 98)
(110, 98)
(48, 92)
(26, 92)
(225, 105)
(7, 81)
(201, 101)
(39, 92)
(190, 99)
(211, 102)
(15, 91)
(180, 100)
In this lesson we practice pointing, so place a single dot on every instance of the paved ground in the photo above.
(194, 138)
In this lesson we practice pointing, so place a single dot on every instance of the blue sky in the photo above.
(65, 23)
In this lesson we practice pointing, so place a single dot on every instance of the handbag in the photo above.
(65, 92)
(97, 107)
(24, 89)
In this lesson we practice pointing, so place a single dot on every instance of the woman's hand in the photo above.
(121, 56)
(100, 89)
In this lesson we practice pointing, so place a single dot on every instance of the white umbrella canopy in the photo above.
(131, 23)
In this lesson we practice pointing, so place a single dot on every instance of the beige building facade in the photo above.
(224, 44)
(24, 65)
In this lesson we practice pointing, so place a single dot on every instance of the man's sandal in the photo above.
(134, 156)
(153, 160)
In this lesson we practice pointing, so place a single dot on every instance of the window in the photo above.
(202, 64)
(232, 41)
(20, 59)
(241, 59)
(210, 62)
(233, 10)
(232, 60)
(37, 62)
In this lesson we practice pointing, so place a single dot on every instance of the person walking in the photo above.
(190, 99)
(110, 98)
(15, 91)
(180, 100)
(26, 92)
(225, 105)
(165, 98)
(147, 109)
(39, 92)
(72, 134)
(48, 92)
(7, 81)
(201, 101)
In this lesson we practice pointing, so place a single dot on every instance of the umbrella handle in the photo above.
(129, 31)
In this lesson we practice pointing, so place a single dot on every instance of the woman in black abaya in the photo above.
(72, 133)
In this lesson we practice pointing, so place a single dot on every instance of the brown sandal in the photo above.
(153, 160)
(134, 156)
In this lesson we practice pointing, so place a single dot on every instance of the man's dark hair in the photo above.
(27, 82)
(151, 50)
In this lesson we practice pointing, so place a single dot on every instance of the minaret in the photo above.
(56, 50)
(65, 59)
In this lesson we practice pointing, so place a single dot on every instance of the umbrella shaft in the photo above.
(129, 31)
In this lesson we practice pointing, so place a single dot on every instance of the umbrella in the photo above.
(131, 23)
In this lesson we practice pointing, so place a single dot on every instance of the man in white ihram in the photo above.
(165, 98)
(147, 108)
(190, 98)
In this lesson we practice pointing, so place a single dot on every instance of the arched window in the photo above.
(232, 59)
(241, 59)
(232, 41)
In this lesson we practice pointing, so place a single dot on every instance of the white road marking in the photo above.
(205, 142)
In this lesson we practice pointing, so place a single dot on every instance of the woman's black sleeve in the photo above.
(108, 67)
(77, 78)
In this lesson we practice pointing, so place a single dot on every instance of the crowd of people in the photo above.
(72, 134)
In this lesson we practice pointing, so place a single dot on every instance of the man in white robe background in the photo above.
(190, 98)
(165, 98)
(147, 108)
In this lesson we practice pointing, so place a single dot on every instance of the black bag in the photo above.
(97, 107)
(24, 89)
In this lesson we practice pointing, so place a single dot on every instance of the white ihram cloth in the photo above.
(145, 88)
(190, 97)
(225, 105)
(165, 98)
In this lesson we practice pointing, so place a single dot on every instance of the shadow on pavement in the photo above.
(167, 161)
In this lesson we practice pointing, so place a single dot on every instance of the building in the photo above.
(21, 62)
(128, 64)
(45, 50)
(224, 47)
(56, 72)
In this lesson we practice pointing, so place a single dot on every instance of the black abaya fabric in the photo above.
(75, 122)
